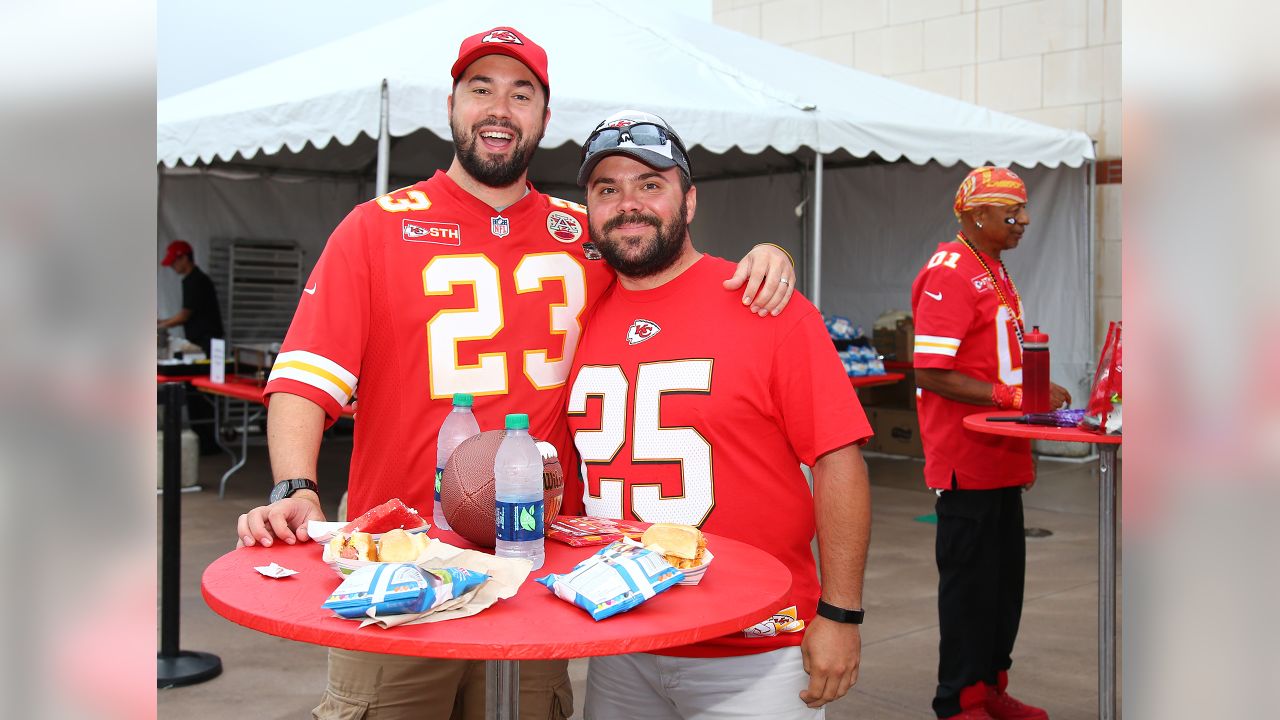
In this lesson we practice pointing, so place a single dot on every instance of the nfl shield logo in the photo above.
(500, 226)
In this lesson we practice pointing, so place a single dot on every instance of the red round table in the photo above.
(861, 381)
(743, 586)
(1107, 445)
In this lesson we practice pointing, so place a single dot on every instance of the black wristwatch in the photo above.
(285, 488)
(839, 614)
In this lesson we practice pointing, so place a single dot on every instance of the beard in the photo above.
(660, 254)
(495, 172)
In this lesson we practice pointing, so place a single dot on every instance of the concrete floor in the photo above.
(1055, 662)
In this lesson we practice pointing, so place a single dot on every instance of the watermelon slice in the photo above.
(389, 515)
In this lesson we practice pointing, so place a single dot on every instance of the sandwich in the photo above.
(682, 545)
(400, 546)
(357, 546)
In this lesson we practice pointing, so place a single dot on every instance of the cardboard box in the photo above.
(897, 432)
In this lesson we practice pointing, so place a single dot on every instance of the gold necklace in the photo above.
(1015, 312)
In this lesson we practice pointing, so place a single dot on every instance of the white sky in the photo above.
(200, 42)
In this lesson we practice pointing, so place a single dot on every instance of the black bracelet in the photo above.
(839, 614)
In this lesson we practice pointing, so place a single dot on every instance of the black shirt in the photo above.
(200, 298)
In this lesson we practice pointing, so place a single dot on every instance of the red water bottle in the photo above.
(1035, 371)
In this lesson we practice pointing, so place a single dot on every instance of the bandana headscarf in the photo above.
(990, 186)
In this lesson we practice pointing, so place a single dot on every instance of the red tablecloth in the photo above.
(246, 390)
(743, 586)
(978, 422)
(888, 378)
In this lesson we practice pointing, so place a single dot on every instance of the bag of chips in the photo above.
(397, 588)
(617, 578)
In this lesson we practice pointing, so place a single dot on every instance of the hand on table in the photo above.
(284, 519)
(763, 270)
(831, 652)
(1058, 396)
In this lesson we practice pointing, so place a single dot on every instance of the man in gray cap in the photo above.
(704, 418)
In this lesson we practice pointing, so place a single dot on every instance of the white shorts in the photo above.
(641, 686)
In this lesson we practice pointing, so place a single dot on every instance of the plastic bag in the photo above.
(1103, 411)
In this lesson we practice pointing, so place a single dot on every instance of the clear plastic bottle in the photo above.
(458, 425)
(1035, 371)
(518, 491)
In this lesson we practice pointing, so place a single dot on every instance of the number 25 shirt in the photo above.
(961, 325)
(684, 408)
(426, 292)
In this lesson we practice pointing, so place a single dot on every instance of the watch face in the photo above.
(278, 492)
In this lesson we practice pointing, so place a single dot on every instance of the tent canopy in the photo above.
(724, 91)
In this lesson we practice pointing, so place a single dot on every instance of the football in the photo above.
(466, 488)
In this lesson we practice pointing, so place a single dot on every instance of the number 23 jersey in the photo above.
(426, 292)
(685, 408)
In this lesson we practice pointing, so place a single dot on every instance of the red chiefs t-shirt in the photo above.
(684, 408)
(961, 325)
(426, 292)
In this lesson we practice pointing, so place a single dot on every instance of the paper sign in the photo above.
(217, 356)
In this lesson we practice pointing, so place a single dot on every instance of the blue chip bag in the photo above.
(398, 588)
(617, 578)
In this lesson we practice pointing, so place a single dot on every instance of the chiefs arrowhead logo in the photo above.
(641, 330)
(502, 36)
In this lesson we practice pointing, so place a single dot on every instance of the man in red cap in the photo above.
(968, 358)
(469, 282)
(201, 321)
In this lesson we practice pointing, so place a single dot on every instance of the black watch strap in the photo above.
(285, 488)
(839, 614)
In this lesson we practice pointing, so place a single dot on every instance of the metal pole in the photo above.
(1106, 582)
(816, 296)
(502, 689)
(384, 142)
(173, 666)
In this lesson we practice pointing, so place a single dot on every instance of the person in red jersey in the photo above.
(684, 410)
(470, 281)
(968, 357)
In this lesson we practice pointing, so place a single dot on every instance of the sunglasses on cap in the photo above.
(640, 134)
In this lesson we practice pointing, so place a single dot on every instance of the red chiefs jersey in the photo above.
(426, 292)
(961, 325)
(684, 408)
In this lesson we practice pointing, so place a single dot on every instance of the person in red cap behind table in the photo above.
(201, 321)
(471, 281)
(968, 357)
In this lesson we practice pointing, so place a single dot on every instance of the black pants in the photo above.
(200, 415)
(981, 552)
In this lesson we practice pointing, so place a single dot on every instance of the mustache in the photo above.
(634, 217)
(494, 121)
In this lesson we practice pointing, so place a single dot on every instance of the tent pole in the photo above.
(384, 143)
(816, 284)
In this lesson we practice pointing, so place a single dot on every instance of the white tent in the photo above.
(285, 150)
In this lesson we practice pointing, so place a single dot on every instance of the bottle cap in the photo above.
(517, 421)
(1035, 336)
(463, 400)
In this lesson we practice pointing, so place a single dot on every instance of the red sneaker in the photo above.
(1003, 706)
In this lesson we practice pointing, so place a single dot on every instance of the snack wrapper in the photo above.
(617, 578)
(587, 530)
(397, 588)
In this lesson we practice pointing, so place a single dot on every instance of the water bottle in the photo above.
(458, 425)
(1035, 371)
(517, 474)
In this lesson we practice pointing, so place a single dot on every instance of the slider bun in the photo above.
(681, 544)
(398, 546)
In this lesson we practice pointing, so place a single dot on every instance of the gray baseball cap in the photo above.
(644, 136)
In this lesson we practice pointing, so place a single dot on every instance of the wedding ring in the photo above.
(784, 281)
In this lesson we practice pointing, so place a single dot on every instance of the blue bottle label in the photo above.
(439, 476)
(519, 521)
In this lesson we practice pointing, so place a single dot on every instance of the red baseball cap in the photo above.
(503, 41)
(176, 249)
